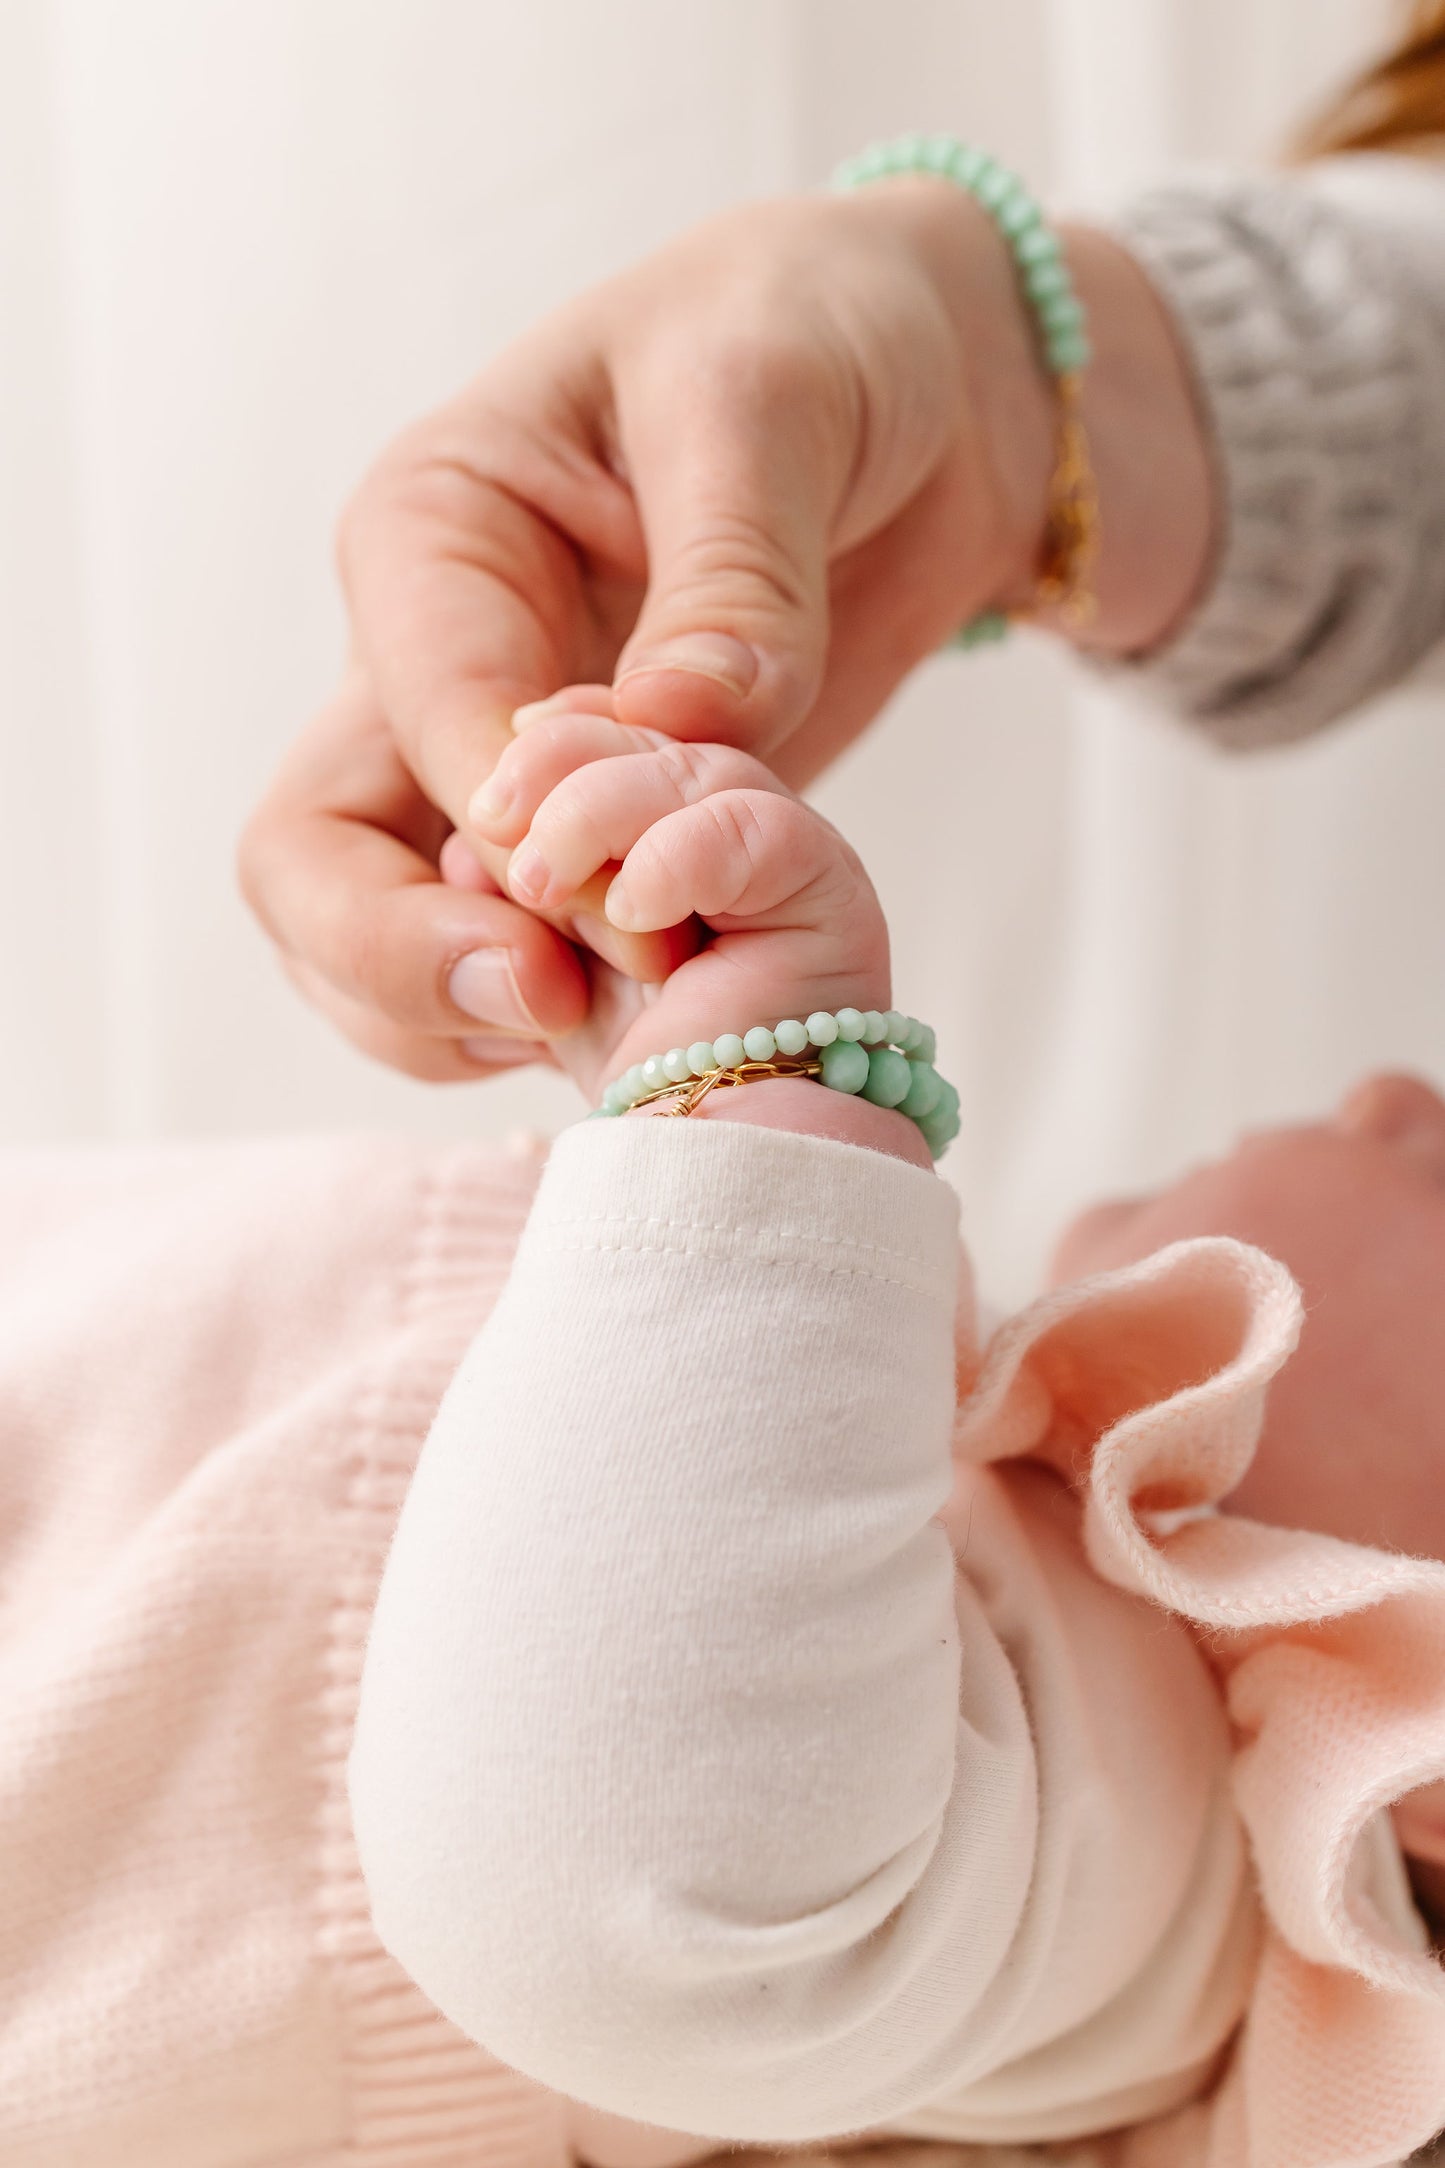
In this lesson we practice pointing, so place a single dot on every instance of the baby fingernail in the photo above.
(484, 984)
(619, 908)
(500, 1053)
(528, 874)
(715, 655)
(491, 803)
(531, 711)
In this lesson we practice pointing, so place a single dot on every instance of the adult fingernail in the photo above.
(500, 1053)
(715, 655)
(484, 984)
(528, 874)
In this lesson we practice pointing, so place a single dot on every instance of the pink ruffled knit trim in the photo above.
(1147, 1387)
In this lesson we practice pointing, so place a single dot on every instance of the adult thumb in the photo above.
(732, 637)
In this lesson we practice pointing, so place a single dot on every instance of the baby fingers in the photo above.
(739, 855)
(594, 816)
(550, 750)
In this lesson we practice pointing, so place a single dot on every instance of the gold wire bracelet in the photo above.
(882, 1054)
(1070, 546)
(687, 1098)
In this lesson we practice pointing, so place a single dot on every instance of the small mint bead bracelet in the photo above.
(1070, 541)
(876, 1054)
(1013, 210)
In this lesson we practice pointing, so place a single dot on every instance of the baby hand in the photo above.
(694, 830)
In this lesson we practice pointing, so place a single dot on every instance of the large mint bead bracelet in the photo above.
(1071, 534)
(880, 1055)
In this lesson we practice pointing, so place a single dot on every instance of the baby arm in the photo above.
(666, 1785)
(690, 1778)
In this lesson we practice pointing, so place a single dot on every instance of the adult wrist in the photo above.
(1147, 437)
(1152, 459)
(1008, 410)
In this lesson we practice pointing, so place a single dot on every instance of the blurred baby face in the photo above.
(1354, 1440)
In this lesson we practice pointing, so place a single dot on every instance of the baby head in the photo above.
(1354, 1438)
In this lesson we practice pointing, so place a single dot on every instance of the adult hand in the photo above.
(749, 484)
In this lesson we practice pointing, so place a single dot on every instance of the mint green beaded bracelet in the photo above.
(880, 1055)
(1071, 533)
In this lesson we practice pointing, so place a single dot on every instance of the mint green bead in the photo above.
(1043, 280)
(654, 1074)
(759, 1043)
(1061, 312)
(969, 163)
(1068, 351)
(981, 631)
(822, 1027)
(940, 1125)
(728, 1051)
(1039, 245)
(888, 1077)
(924, 1091)
(615, 1099)
(909, 1036)
(894, 1023)
(927, 1042)
(632, 1084)
(676, 1066)
(995, 186)
(938, 1131)
(792, 1037)
(937, 154)
(700, 1057)
(873, 1027)
(850, 1023)
(1016, 211)
(844, 1066)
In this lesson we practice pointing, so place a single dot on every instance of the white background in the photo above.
(241, 241)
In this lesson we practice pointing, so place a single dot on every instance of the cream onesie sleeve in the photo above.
(729, 1756)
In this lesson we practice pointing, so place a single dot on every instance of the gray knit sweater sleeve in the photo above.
(1313, 308)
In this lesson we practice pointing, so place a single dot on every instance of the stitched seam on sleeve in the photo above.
(605, 1233)
(620, 1221)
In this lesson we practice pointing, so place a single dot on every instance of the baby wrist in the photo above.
(880, 1056)
(795, 1106)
